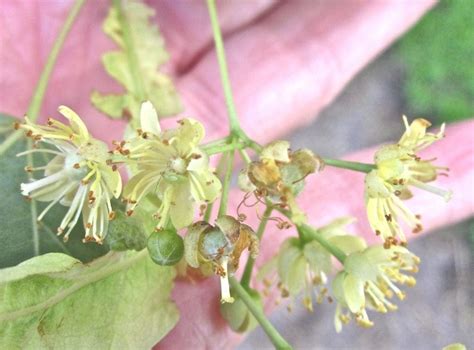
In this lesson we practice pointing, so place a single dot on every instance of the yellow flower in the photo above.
(77, 177)
(368, 281)
(304, 266)
(397, 167)
(169, 164)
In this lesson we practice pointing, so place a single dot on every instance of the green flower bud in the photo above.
(165, 247)
(125, 233)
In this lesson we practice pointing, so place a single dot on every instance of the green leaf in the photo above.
(21, 237)
(135, 66)
(54, 301)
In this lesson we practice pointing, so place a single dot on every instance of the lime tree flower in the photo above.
(170, 165)
(218, 248)
(78, 175)
(397, 168)
(368, 282)
(279, 174)
(304, 266)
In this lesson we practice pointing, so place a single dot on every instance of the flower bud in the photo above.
(165, 247)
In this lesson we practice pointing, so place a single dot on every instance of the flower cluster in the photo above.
(78, 176)
(218, 248)
(170, 165)
(368, 281)
(398, 167)
(83, 174)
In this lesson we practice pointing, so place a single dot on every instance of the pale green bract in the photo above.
(135, 66)
(121, 300)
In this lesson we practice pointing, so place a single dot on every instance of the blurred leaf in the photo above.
(120, 301)
(438, 54)
(17, 230)
(136, 65)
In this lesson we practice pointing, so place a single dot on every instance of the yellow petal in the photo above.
(77, 124)
(182, 205)
(354, 293)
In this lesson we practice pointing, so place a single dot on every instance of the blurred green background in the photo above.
(438, 54)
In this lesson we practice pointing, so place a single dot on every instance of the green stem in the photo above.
(277, 340)
(33, 206)
(309, 233)
(216, 31)
(226, 184)
(345, 164)
(245, 156)
(130, 50)
(215, 143)
(220, 171)
(38, 95)
(215, 149)
(247, 275)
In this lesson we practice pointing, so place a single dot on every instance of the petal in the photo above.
(185, 137)
(292, 267)
(76, 122)
(182, 205)
(149, 119)
(205, 186)
(318, 258)
(354, 293)
(112, 180)
(199, 160)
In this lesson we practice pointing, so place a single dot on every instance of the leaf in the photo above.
(19, 239)
(54, 301)
(135, 66)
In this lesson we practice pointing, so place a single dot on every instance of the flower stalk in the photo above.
(307, 233)
(221, 58)
(247, 275)
(226, 184)
(277, 340)
(345, 164)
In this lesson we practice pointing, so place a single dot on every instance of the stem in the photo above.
(226, 185)
(212, 144)
(216, 31)
(38, 95)
(345, 164)
(277, 340)
(33, 206)
(309, 233)
(215, 149)
(247, 275)
(220, 170)
(245, 156)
